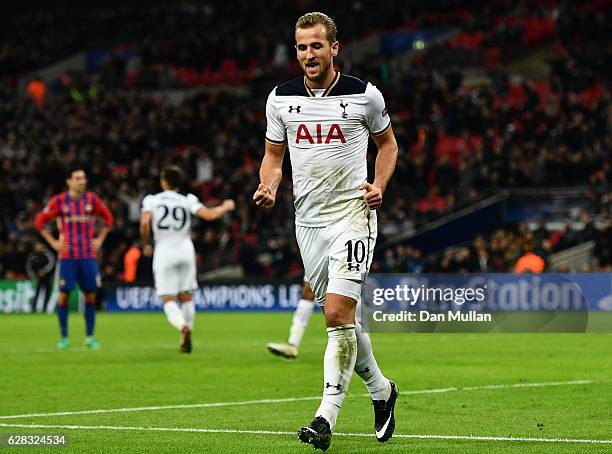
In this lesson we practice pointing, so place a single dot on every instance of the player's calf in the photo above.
(384, 415)
(186, 344)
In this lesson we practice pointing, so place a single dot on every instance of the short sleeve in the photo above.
(275, 129)
(377, 117)
(148, 203)
(193, 203)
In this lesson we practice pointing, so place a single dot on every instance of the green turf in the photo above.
(138, 365)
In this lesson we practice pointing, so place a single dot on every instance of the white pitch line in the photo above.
(83, 348)
(163, 407)
(278, 432)
(298, 399)
(533, 385)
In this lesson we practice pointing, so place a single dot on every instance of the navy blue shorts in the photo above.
(83, 271)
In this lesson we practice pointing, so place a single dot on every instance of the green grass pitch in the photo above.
(139, 366)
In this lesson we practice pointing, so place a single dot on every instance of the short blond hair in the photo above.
(311, 19)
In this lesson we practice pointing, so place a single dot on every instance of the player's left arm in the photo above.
(98, 241)
(385, 165)
(104, 213)
(211, 214)
(379, 124)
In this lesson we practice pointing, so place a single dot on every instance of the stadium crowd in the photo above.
(458, 144)
(512, 248)
(188, 34)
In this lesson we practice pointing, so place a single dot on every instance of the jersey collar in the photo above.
(328, 90)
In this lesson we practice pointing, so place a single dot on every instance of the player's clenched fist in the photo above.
(263, 197)
(228, 205)
(372, 196)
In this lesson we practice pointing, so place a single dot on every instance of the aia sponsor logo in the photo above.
(318, 135)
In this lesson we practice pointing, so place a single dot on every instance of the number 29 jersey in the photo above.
(171, 217)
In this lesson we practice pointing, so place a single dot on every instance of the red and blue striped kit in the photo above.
(76, 221)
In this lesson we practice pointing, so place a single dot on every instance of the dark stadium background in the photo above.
(502, 114)
(501, 111)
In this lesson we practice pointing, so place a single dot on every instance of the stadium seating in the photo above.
(458, 142)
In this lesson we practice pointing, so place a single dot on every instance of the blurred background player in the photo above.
(76, 211)
(327, 118)
(39, 267)
(301, 316)
(168, 213)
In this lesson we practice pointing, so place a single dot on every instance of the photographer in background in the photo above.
(39, 267)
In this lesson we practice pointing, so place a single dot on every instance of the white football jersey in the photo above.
(171, 216)
(327, 135)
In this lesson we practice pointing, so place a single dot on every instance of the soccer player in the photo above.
(325, 118)
(302, 314)
(174, 261)
(75, 211)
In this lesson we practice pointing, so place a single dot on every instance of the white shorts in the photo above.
(337, 253)
(174, 270)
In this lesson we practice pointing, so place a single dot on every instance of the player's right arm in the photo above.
(271, 170)
(145, 227)
(270, 175)
(50, 211)
(145, 219)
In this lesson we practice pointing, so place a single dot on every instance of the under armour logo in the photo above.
(338, 386)
(344, 106)
(297, 109)
(352, 267)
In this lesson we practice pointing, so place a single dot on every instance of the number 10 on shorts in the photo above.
(355, 254)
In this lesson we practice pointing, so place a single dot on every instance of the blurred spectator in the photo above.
(40, 265)
(130, 263)
(529, 263)
(603, 248)
(37, 91)
(144, 269)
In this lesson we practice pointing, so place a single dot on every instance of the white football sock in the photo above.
(367, 367)
(338, 366)
(189, 312)
(300, 321)
(174, 315)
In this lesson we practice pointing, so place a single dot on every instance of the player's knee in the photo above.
(334, 319)
(90, 298)
(337, 315)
